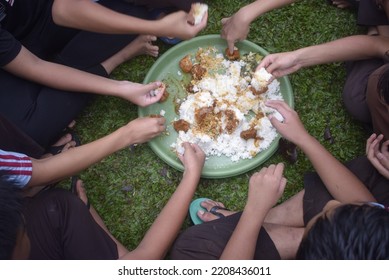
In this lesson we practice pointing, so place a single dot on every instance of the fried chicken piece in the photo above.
(190, 88)
(260, 91)
(186, 64)
(198, 72)
(249, 134)
(202, 113)
(235, 55)
(181, 125)
(164, 96)
(232, 121)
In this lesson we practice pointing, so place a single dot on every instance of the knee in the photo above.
(194, 244)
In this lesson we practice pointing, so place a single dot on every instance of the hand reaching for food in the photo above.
(291, 128)
(280, 64)
(235, 29)
(181, 25)
(144, 129)
(142, 95)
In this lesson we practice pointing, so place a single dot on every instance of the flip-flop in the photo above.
(54, 150)
(170, 41)
(195, 206)
(73, 189)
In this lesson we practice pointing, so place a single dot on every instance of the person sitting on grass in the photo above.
(365, 93)
(27, 173)
(56, 224)
(236, 27)
(290, 229)
(56, 55)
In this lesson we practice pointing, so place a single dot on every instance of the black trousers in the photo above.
(42, 112)
(60, 227)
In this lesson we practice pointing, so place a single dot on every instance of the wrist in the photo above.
(306, 142)
(248, 14)
(124, 136)
(253, 207)
(191, 173)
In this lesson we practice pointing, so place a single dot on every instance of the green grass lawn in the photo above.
(130, 187)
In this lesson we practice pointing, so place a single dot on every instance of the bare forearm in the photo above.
(164, 230)
(260, 7)
(340, 182)
(356, 47)
(74, 160)
(91, 16)
(28, 66)
(242, 243)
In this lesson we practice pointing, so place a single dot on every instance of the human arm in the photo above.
(28, 66)
(236, 27)
(74, 160)
(342, 184)
(91, 16)
(265, 188)
(355, 47)
(378, 156)
(165, 228)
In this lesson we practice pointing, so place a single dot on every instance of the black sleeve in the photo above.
(9, 47)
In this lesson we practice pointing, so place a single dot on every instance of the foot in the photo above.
(81, 192)
(65, 143)
(372, 31)
(207, 216)
(139, 46)
(344, 4)
(143, 45)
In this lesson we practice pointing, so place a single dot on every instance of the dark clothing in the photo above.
(370, 14)
(208, 240)
(316, 195)
(355, 87)
(42, 112)
(184, 5)
(60, 227)
(356, 90)
(377, 105)
(9, 47)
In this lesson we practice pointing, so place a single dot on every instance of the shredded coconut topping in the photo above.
(225, 110)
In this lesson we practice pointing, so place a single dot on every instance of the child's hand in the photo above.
(379, 157)
(193, 158)
(291, 128)
(266, 187)
(234, 29)
(140, 94)
(142, 130)
(177, 25)
(280, 64)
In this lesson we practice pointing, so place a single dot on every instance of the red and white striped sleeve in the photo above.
(15, 169)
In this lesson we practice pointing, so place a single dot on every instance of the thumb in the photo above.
(153, 85)
(224, 20)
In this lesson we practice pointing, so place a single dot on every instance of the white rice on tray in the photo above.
(230, 91)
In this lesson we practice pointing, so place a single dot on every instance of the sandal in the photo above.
(195, 206)
(54, 150)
